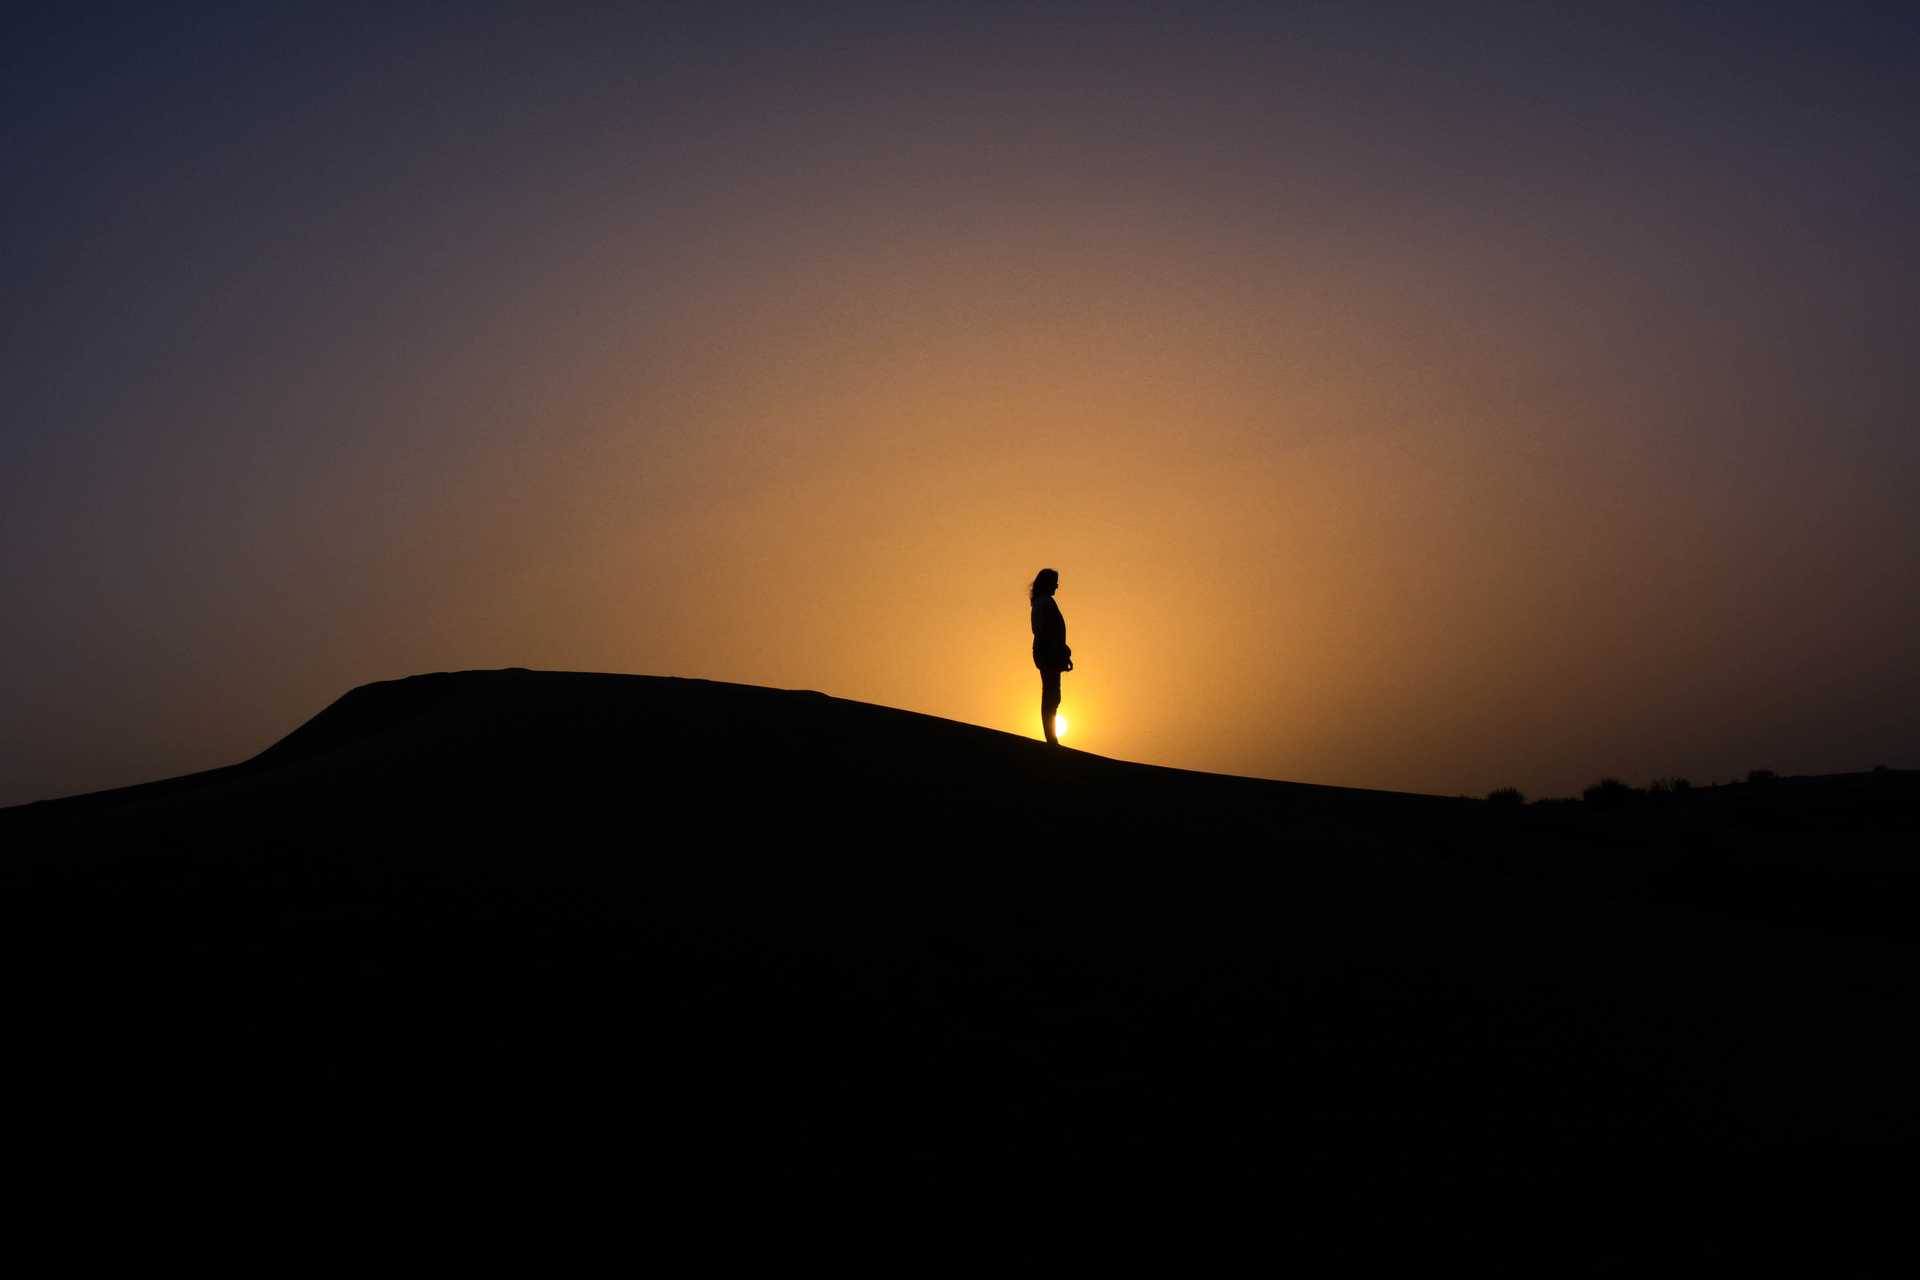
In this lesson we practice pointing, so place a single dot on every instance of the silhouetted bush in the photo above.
(1608, 793)
(1760, 777)
(1662, 787)
(1506, 797)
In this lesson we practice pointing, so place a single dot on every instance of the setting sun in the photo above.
(780, 429)
(1059, 726)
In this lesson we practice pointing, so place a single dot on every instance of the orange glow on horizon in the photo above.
(1374, 447)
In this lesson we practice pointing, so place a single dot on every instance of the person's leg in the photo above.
(1049, 702)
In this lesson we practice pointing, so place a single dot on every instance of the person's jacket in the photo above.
(1050, 652)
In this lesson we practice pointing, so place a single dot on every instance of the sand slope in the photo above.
(710, 946)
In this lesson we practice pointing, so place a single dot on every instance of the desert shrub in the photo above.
(1507, 797)
(1669, 787)
(1608, 793)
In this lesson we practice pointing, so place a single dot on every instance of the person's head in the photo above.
(1045, 583)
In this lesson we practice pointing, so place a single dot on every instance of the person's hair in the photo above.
(1047, 578)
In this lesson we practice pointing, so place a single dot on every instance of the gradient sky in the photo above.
(1431, 397)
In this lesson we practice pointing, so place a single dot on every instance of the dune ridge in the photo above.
(810, 946)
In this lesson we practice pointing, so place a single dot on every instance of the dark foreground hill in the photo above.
(555, 958)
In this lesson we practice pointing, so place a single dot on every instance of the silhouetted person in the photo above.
(1050, 652)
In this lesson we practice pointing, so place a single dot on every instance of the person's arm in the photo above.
(1054, 642)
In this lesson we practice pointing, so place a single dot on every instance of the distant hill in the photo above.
(564, 729)
(797, 950)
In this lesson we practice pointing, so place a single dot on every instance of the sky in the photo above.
(1427, 397)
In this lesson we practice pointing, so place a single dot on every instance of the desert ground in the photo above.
(473, 951)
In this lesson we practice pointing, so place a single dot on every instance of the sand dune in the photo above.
(778, 948)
